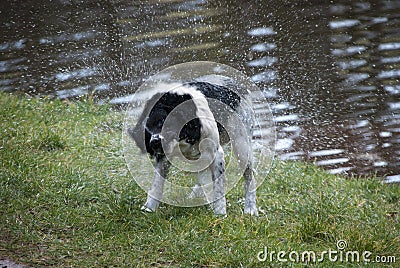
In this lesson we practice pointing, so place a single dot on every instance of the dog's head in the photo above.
(151, 132)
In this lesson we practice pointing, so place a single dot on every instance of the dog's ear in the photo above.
(138, 133)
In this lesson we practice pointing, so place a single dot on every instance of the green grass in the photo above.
(67, 199)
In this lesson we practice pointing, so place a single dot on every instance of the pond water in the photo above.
(330, 69)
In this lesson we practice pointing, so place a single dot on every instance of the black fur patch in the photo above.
(221, 93)
(158, 114)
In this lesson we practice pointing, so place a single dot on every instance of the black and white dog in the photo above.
(194, 120)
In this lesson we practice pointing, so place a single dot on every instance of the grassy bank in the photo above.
(67, 199)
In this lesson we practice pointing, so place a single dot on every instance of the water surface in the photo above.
(331, 71)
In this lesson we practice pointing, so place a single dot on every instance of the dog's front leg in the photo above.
(218, 177)
(154, 196)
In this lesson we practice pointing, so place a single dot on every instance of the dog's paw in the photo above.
(220, 212)
(220, 206)
(252, 210)
(146, 209)
(150, 205)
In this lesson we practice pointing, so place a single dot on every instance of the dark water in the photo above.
(330, 70)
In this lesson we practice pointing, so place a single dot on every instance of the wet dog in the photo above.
(193, 121)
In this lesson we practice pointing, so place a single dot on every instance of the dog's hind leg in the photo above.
(244, 154)
(218, 177)
(250, 206)
(154, 196)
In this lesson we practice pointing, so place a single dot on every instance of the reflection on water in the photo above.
(331, 72)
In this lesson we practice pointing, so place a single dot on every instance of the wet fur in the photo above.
(147, 135)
